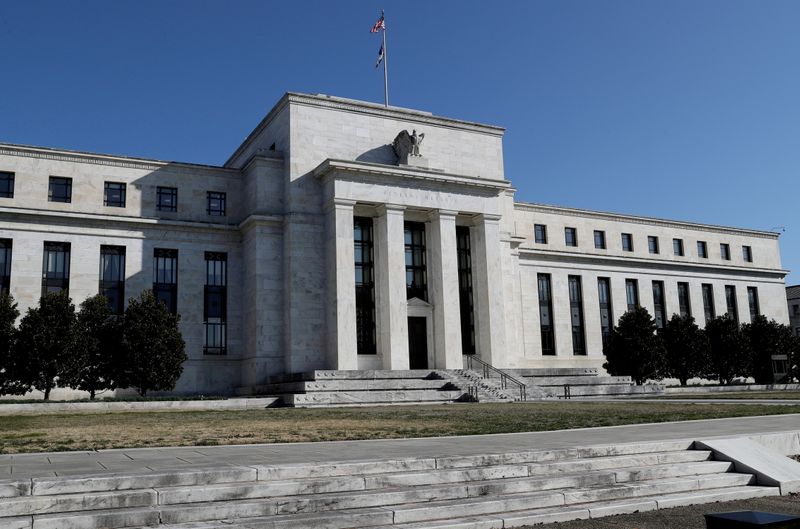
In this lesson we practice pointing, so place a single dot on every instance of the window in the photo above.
(540, 233)
(416, 272)
(55, 267)
(165, 280)
(60, 189)
(600, 239)
(730, 301)
(215, 204)
(795, 310)
(112, 277)
(659, 307)
(752, 300)
(215, 304)
(725, 251)
(627, 242)
(708, 302)
(684, 304)
(677, 247)
(606, 311)
(652, 244)
(576, 315)
(464, 256)
(167, 198)
(546, 314)
(747, 254)
(6, 184)
(114, 195)
(702, 250)
(632, 293)
(365, 285)
(5, 266)
(571, 236)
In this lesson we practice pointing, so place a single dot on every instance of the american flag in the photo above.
(379, 25)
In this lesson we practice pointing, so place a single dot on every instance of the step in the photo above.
(357, 398)
(355, 375)
(579, 381)
(397, 384)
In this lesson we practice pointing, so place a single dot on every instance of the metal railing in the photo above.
(487, 370)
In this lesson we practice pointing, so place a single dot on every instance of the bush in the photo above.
(8, 334)
(729, 352)
(634, 349)
(767, 338)
(686, 349)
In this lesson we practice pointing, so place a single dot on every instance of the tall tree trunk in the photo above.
(47, 393)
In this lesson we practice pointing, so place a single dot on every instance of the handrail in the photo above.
(505, 378)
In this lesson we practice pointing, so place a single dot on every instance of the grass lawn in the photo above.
(87, 431)
(758, 395)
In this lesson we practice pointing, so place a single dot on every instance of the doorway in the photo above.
(417, 343)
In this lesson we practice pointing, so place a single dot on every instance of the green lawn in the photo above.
(86, 431)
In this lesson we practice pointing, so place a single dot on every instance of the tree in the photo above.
(96, 343)
(8, 371)
(729, 353)
(767, 338)
(686, 349)
(634, 349)
(43, 342)
(154, 350)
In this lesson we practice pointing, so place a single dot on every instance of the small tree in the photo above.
(634, 349)
(8, 369)
(96, 343)
(686, 349)
(729, 353)
(154, 349)
(767, 338)
(43, 342)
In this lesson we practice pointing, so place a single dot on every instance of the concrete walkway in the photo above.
(148, 459)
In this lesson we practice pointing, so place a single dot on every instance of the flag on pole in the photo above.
(379, 25)
(380, 57)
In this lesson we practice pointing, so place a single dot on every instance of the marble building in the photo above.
(345, 235)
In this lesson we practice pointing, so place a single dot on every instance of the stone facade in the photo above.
(293, 189)
(793, 299)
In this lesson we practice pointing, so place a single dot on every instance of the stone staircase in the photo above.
(450, 492)
(583, 383)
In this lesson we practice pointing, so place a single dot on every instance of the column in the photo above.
(341, 310)
(488, 290)
(390, 287)
(443, 286)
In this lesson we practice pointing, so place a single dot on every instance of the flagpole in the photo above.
(385, 70)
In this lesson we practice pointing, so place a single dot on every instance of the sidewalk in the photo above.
(23, 466)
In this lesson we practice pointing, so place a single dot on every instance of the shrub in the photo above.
(729, 352)
(634, 349)
(767, 338)
(8, 334)
(686, 349)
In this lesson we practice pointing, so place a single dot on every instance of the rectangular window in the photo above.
(540, 233)
(114, 195)
(215, 203)
(627, 242)
(652, 244)
(5, 266)
(600, 239)
(416, 270)
(60, 189)
(725, 251)
(677, 247)
(365, 285)
(702, 250)
(708, 302)
(55, 267)
(632, 293)
(747, 254)
(606, 310)
(796, 310)
(752, 299)
(215, 304)
(571, 236)
(464, 255)
(730, 301)
(167, 198)
(112, 277)
(6, 184)
(659, 305)
(684, 304)
(546, 314)
(576, 315)
(165, 277)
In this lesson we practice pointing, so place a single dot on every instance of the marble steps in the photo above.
(358, 385)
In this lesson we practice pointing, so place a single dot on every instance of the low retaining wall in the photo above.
(723, 389)
(153, 405)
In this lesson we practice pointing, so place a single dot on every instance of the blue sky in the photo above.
(685, 109)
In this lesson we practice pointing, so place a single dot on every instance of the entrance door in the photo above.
(417, 343)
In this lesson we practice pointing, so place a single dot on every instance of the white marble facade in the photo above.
(293, 189)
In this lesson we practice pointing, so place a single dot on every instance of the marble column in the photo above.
(390, 287)
(443, 286)
(488, 290)
(341, 292)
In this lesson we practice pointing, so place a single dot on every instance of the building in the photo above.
(345, 235)
(793, 298)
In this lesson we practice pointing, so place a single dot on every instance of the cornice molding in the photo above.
(260, 220)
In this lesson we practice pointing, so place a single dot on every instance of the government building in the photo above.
(344, 235)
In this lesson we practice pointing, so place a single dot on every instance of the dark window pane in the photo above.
(545, 315)
(60, 189)
(365, 285)
(6, 184)
(216, 204)
(463, 249)
(600, 239)
(627, 242)
(112, 277)
(114, 195)
(540, 233)
(571, 236)
(416, 272)
(659, 307)
(677, 247)
(652, 244)
(55, 267)
(167, 198)
(165, 277)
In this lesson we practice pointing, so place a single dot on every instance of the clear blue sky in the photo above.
(685, 109)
